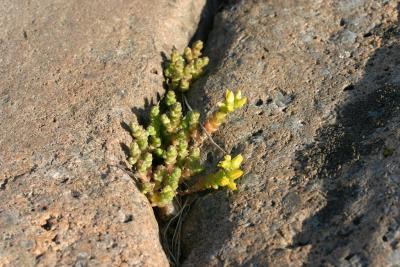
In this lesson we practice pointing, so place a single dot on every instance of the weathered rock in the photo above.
(320, 136)
(70, 72)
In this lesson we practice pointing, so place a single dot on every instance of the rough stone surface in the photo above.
(320, 136)
(70, 73)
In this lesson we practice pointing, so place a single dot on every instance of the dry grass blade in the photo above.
(173, 244)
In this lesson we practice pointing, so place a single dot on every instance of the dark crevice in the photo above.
(217, 206)
(205, 26)
(211, 8)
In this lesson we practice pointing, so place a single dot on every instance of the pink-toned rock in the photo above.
(70, 73)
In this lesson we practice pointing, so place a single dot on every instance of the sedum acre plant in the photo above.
(165, 155)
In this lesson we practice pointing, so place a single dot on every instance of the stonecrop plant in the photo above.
(165, 154)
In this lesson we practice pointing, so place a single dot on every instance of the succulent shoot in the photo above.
(182, 70)
(231, 103)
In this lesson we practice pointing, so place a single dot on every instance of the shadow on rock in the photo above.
(142, 113)
(356, 193)
(212, 210)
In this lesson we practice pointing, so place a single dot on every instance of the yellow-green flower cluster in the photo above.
(167, 151)
(181, 70)
(226, 176)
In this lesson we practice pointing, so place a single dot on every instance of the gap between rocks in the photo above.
(171, 244)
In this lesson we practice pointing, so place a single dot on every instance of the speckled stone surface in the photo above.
(320, 136)
(70, 74)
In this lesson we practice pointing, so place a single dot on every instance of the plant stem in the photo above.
(206, 134)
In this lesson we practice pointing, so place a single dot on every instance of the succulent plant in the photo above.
(167, 152)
